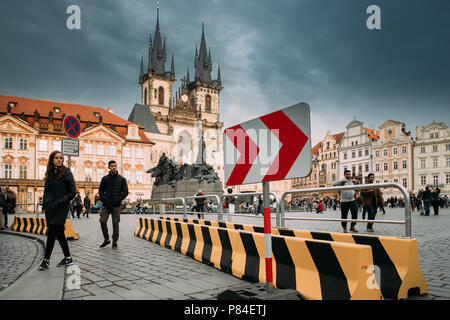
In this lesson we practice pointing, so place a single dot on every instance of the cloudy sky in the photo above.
(272, 54)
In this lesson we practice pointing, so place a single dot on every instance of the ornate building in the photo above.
(328, 159)
(432, 157)
(175, 124)
(392, 157)
(31, 129)
(355, 150)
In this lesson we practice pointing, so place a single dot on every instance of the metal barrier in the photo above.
(175, 199)
(406, 222)
(277, 201)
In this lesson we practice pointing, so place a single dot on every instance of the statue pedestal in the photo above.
(164, 191)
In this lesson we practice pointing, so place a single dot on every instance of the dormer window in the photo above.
(12, 104)
(56, 109)
(97, 114)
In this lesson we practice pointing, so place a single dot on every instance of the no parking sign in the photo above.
(72, 126)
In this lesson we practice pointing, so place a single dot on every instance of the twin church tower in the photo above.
(176, 120)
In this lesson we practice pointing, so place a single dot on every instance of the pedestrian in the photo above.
(87, 205)
(230, 201)
(59, 189)
(200, 205)
(5, 200)
(371, 198)
(113, 190)
(426, 200)
(320, 207)
(78, 205)
(413, 200)
(260, 205)
(348, 200)
(435, 200)
(420, 202)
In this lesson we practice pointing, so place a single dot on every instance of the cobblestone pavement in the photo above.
(17, 255)
(139, 269)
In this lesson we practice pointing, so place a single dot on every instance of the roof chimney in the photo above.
(110, 110)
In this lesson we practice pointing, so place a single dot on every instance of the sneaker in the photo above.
(104, 244)
(44, 265)
(353, 229)
(65, 262)
(370, 230)
(114, 245)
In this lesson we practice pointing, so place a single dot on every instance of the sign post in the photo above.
(276, 146)
(72, 129)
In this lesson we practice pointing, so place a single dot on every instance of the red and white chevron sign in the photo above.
(276, 146)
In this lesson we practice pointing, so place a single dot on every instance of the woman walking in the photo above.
(59, 190)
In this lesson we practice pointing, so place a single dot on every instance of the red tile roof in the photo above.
(27, 106)
(373, 134)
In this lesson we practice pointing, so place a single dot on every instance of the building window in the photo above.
(23, 172)
(88, 148)
(447, 178)
(353, 170)
(139, 153)
(88, 174)
(423, 180)
(8, 143)
(23, 144)
(404, 149)
(42, 170)
(385, 166)
(353, 154)
(395, 180)
(435, 148)
(405, 182)
(100, 174)
(160, 95)
(139, 177)
(208, 102)
(404, 164)
(112, 150)
(345, 156)
(447, 147)
(385, 152)
(447, 161)
(356, 143)
(43, 144)
(101, 149)
(126, 152)
(394, 151)
(8, 171)
(436, 180)
(127, 175)
(423, 163)
(435, 162)
(366, 152)
(377, 153)
(377, 167)
(423, 149)
(56, 145)
(395, 165)
(360, 153)
(367, 167)
(360, 169)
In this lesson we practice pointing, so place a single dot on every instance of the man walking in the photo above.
(371, 198)
(87, 205)
(113, 190)
(426, 196)
(4, 204)
(200, 204)
(348, 200)
(78, 205)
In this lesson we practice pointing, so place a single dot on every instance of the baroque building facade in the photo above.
(432, 157)
(176, 119)
(31, 129)
(355, 150)
(393, 157)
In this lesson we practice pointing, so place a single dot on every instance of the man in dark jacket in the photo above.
(371, 198)
(4, 204)
(426, 195)
(113, 190)
(87, 205)
(78, 205)
(200, 204)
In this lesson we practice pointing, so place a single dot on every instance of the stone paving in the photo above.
(139, 269)
(17, 255)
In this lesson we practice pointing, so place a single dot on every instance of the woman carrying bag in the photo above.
(59, 190)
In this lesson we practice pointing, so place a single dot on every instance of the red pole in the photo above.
(267, 234)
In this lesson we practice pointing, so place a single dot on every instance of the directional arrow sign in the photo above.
(276, 146)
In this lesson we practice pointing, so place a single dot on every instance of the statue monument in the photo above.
(172, 180)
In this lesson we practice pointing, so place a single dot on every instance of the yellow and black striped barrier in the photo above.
(317, 269)
(397, 258)
(39, 226)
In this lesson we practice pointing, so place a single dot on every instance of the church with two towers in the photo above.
(175, 121)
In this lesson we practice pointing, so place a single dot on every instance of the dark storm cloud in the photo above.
(272, 54)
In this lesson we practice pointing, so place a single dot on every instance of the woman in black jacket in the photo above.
(59, 190)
